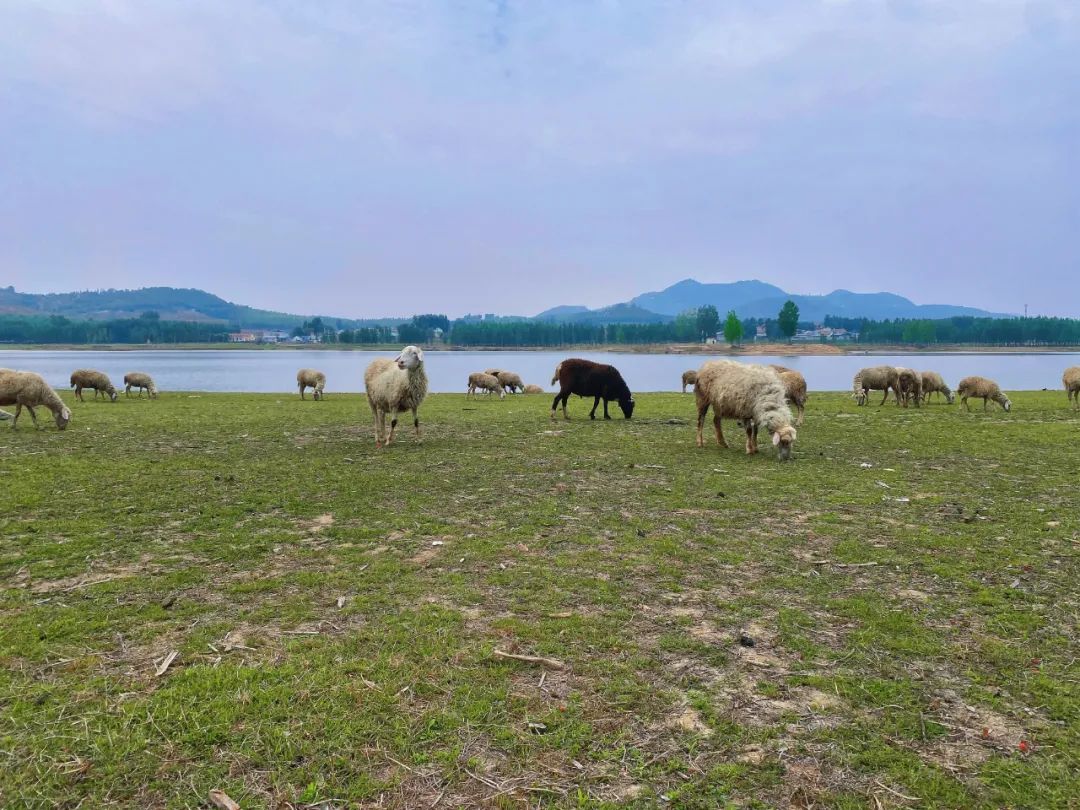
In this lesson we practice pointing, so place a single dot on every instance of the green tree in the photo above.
(789, 318)
(708, 321)
(733, 330)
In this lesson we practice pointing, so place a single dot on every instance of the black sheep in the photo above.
(588, 379)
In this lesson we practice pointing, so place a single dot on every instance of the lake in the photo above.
(273, 371)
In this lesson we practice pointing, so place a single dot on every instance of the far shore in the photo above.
(749, 349)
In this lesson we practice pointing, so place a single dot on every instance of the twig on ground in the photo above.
(550, 663)
(221, 800)
(166, 663)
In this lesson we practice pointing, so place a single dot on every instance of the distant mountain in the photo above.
(170, 303)
(756, 299)
(561, 313)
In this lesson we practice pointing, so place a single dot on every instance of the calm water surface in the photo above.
(272, 371)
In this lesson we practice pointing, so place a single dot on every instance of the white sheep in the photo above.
(395, 386)
(934, 383)
(532, 389)
(136, 379)
(25, 389)
(1071, 380)
(875, 378)
(313, 379)
(510, 381)
(89, 378)
(984, 389)
(751, 393)
(479, 381)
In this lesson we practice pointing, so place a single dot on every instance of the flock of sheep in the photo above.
(756, 396)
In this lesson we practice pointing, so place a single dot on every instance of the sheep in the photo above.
(136, 379)
(984, 389)
(25, 389)
(588, 379)
(934, 383)
(313, 379)
(532, 389)
(909, 386)
(88, 378)
(688, 378)
(875, 378)
(494, 372)
(395, 386)
(1071, 380)
(510, 381)
(794, 389)
(751, 393)
(478, 381)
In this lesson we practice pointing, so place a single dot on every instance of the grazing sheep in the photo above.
(494, 372)
(313, 379)
(88, 378)
(984, 389)
(1071, 380)
(532, 389)
(688, 378)
(876, 378)
(25, 389)
(136, 379)
(909, 386)
(934, 383)
(794, 389)
(395, 386)
(588, 379)
(510, 381)
(752, 394)
(479, 381)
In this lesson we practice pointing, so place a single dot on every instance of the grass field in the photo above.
(909, 585)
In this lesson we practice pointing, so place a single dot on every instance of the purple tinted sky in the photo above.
(359, 158)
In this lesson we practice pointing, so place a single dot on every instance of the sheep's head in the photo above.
(627, 406)
(950, 397)
(63, 417)
(783, 438)
(1005, 403)
(411, 357)
(111, 392)
(317, 394)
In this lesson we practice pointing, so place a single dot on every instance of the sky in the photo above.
(359, 158)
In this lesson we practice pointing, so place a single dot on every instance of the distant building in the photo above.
(243, 337)
(824, 334)
(761, 333)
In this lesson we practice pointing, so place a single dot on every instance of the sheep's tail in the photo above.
(555, 378)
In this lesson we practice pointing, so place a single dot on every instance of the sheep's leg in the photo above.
(555, 404)
(963, 401)
(380, 426)
(33, 416)
(301, 387)
(701, 422)
(884, 397)
(799, 418)
(393, 427)
(416, 423)
(127, 390)
(984, 403)
(605, 410)
(15, 420)
(592, 413)
(719, 430)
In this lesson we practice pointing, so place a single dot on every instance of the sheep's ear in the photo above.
(420, 355)
(776, 439)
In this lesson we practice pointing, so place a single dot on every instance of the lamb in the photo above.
(313, 379)
(1071, 380)
(588, 379)
(510, 381)
(934, 383)
(25, 389)
(479, 381)
(753, 394)
(794, 389)
(909, 386)
(395, 386)
(136, 379)
(88, 378)
(984, 389)
(876, 378)
(532, 389)
(688, 378)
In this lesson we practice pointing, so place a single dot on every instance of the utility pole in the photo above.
(1025, 310)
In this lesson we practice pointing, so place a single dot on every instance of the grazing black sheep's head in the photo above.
(627, 406)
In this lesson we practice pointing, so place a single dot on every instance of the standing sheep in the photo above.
(88, 378)
(688, 378)
(909, 386)
(313, 379)
(1071, 380)
(532, 389)
(588, 379)
(494, 372)
(25, 389)
(751, 393)
(136, 379)
(479, 381)
(395, 386)
(794, 389)
(510, 381)
(934, 383)
(876, 378)
(984, 389)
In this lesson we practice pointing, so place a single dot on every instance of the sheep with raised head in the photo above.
(794, 389)
(934, 383)
(688, 378)
(25, 389)
(981, 388)
(875, 378)
(313, 379)
(395, 386)
(489, 383)
(532, 388)
(752, 394)
(510, 381)
(909, 386)
(144, 382)
(89, 378)
(1071, 380)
